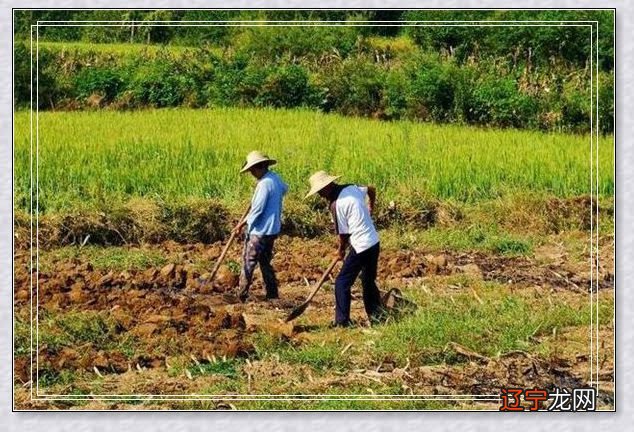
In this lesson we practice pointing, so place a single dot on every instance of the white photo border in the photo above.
(594, 333)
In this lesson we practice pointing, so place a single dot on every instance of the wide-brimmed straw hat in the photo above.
(254, 158)
(318, 181)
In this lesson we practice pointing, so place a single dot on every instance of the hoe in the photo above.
(226, 249)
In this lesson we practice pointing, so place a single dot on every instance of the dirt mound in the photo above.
(488, 376)
(573, 213)
(524, 271)
(150, 306)
(134, 222)
(418, 212)
(144, 220)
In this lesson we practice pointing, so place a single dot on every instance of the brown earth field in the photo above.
(149, 331)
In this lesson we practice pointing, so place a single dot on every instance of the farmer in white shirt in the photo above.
(353, 224)
(263, 224)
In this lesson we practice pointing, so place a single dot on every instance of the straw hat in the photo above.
(254, 158)
(318, 181)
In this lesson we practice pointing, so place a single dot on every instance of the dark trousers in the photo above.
(365, 263)
(258, 250)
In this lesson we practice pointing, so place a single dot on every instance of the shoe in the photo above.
(379, 317)
(243, 295)
(376, 321)
(202, 282)
(272, 293)
(335, 324)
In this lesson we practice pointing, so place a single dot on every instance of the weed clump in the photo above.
(137, 221)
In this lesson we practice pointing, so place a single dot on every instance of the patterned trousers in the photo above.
(258, 250)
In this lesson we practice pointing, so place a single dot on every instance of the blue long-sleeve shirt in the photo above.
(265, 216)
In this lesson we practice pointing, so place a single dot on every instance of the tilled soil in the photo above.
(295, 262)
(178, 310)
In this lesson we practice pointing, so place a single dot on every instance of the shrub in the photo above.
(355, 87)
(53, 84)
(286, 86)
(224, 88)
(160, 83)
(22, 74)
(397, 89)
(432, 92)
(107, 81)
(294, 41)
(498, 102)
(329, 69)
(463, 79)
(606, 103)
(576, 108)
(250, 83)
(244, 82)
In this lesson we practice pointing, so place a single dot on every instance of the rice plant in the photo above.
(99, 156)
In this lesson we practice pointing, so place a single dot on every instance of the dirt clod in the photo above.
(168, 270)
(226, 278)
(470, 269)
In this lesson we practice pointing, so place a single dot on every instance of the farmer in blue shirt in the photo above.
(263, 224)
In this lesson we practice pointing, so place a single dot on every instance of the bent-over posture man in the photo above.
(354, 226)
(263, 224)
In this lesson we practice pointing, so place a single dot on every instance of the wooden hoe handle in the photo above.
(323, 279)
(226, 248)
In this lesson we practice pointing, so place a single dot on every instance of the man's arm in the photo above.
(258, 203)
(372, 197)
(242, 222)
(343, 244)
(341, 229)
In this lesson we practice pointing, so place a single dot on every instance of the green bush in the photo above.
(250, 83)
(160, 83)
(432, 92)
(606, 102)
(397, 89)
(286, 86)
(243, 83)
(498, 102)
(265, 67)
(53, 85)
(224, 88)
(576, 108)
(107, 81)
(355, 87)
(463, 79)
(22, 74)
(295, 41)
